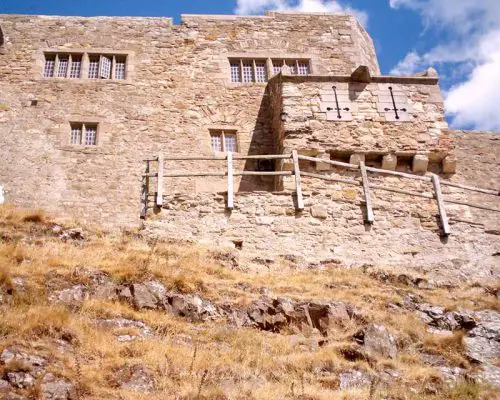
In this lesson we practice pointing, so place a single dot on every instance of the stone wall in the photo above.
(366, 123)
(177, 88)
(331, 229)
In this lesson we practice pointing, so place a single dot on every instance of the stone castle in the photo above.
(84, 101)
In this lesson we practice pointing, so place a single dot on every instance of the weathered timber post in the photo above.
(159, 190)
(145, 192)
(442, 211)
(298, 186)
(230, 183)
(366, 189)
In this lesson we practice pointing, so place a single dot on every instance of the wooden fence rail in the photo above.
(230, 173)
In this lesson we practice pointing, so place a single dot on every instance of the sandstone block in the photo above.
(450, 165)
(319, 211)
(420, 163)
(356, 158)
(389, 161)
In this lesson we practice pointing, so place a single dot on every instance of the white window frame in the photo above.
(295, 63)
(84, 127)
(106, 64)
(245, 62)
(222, 134)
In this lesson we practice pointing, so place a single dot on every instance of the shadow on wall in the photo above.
(262, 143)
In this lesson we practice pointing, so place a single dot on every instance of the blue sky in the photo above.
(460, 38)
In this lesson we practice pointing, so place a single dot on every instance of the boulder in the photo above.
(55, 388)
(377, 341)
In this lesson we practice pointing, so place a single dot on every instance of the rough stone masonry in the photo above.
(84, 101)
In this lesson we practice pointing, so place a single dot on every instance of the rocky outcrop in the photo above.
(23, 370)
(276, 314)
(377, 341)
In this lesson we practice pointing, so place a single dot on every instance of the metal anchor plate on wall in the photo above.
(393, 104)
(335, 102)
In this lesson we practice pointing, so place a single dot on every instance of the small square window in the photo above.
(83, 134)
(260, 72)
(248, 72)
(224, 141)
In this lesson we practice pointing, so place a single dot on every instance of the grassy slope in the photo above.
(210, 358)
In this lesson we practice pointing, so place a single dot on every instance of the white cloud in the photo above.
(475, 102)
(474, 51)
(249, 7)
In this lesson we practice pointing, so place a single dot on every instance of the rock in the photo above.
(4, 385)
(482, 345)
(140, 329)
(20, 379)
(354, 379)
(192, 307)
(135, 378)
(71, 297)
(274, 315)
(54, 388)
(319, 211)
(72, 234)
(377, 341)
(142, 297)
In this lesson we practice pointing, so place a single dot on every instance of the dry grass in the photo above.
(211, 360)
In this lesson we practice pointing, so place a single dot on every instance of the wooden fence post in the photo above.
(366, 189)
(298, 186)
(442, 211)
(145, 192)
(159, 191)
(230, 183)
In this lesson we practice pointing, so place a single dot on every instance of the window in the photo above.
(76, 67)
(224, 141)
(297, 67)
(83, 134)
(50, 63)
(94, 67)
(120, 68)
(248, 71)
(107, 67)
(61, 65)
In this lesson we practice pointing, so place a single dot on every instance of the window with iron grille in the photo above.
(93, 67)
(50, 63)
(99, 66)
(62, 69)
(60, 65)
(235, 72)
(223, 140)
(248, 71)
(297, 67)
(83, 134)
(119, 68)
(76, 67)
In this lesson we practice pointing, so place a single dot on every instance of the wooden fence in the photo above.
(230, 173)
